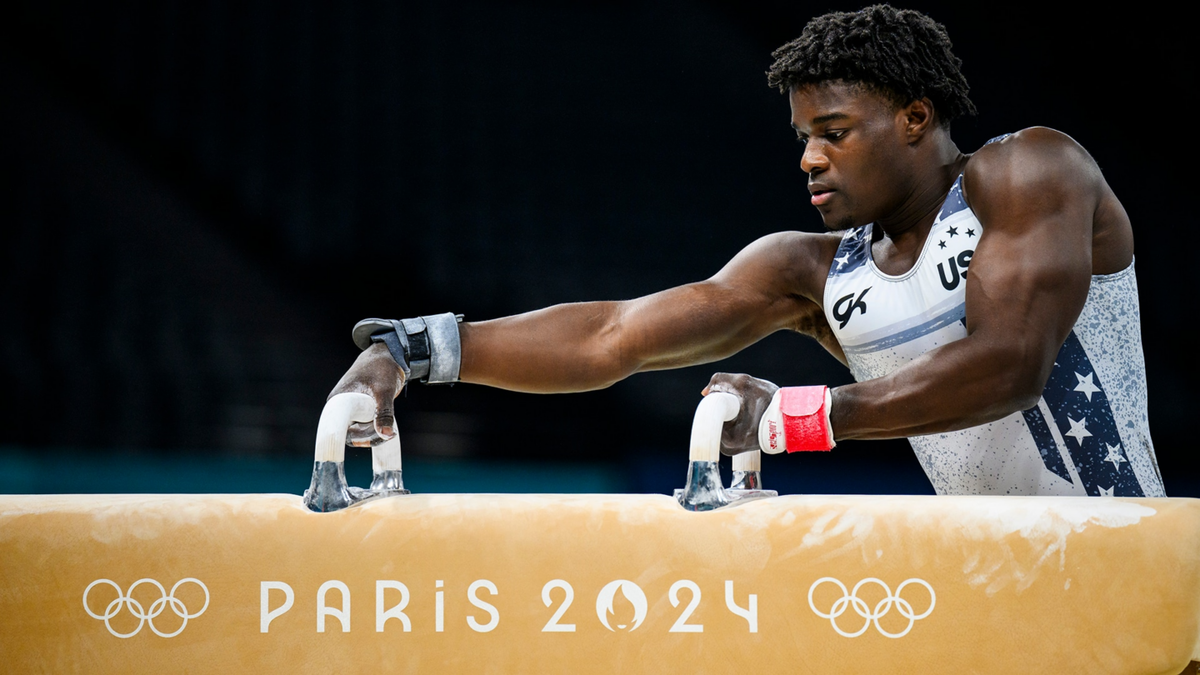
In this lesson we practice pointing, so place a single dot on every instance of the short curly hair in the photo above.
(900, 53)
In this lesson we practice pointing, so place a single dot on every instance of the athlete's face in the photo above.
(854, 152)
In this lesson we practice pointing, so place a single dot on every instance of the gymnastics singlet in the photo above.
(1087, 435)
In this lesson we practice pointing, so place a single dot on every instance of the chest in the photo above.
(863, 304)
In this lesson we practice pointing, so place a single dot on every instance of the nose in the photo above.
(814, 160)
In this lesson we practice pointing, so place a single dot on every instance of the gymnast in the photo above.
(985, 303)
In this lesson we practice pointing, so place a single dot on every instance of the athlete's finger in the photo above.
(719, 382)
(385, 419)
(362, 435)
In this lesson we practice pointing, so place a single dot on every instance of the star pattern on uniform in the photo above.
(953, 231)
(1086, 386)
(1085, 425)
(1114, 456)
(1078, 430)
(842, 260)
(970, 232)
(942, 244)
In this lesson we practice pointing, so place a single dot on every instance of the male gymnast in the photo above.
(985, 303)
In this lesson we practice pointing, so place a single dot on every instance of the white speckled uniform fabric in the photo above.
(1088, 435)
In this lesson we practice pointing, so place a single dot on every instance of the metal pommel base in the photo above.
(328, 490)
(746, 480)
(748, 485)
(705, 493)
(703, 490)
(388, 483)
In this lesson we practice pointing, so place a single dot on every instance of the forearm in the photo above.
(556, 349)
(591, 345)
(959, 385)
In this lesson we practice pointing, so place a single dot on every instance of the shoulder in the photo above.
(1035, 166)
(800, 252)
(788, 249)
(787, 246)
(790, 262)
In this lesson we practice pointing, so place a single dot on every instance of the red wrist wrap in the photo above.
(805, 418)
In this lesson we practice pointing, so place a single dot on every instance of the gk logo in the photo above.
(843, 316)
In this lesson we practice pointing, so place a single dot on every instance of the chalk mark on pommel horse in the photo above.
(703, 490)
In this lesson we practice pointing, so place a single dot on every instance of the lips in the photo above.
(820, 195)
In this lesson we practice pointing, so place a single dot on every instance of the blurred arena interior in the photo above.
(200, 199)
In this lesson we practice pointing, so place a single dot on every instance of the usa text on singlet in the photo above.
(1087, 435)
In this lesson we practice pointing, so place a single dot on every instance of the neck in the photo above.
(940, 164)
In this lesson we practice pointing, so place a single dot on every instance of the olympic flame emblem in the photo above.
(632, 592)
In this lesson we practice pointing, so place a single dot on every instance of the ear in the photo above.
(918, 119)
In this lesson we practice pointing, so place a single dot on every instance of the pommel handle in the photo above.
(703, 490)
(386, 456)
(711, 415)
(751, 460)
(328, 490)
(339, 413)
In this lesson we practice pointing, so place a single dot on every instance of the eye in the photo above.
(836, 134)
(802, 140)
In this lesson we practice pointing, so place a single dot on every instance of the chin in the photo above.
(840, 223)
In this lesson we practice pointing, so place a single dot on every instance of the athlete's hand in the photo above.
(376, 374)
(741, 433)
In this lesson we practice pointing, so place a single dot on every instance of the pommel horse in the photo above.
(714, 580)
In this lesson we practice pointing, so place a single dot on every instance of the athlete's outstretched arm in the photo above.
(768, 286)
(583, 346)
(1037, 195)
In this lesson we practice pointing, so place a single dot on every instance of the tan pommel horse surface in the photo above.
(714, 581)
(598, 584)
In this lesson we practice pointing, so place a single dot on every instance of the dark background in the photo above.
(200, 199)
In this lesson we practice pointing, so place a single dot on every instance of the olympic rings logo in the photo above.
(156, 608)
(850, 600)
